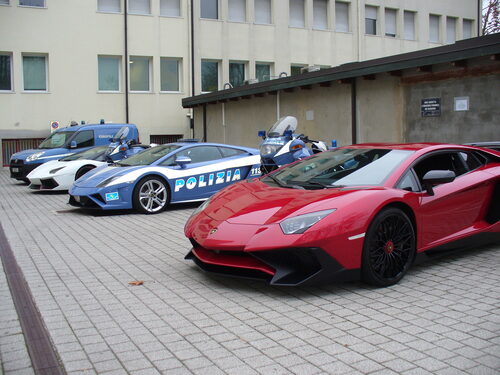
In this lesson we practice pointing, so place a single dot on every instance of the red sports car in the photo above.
(363, 211)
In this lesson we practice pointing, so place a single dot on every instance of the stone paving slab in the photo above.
(443, 318)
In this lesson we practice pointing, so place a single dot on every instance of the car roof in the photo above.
(427, 146)
(85, 126)
(184, 144)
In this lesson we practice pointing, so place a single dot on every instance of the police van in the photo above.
(64, 142)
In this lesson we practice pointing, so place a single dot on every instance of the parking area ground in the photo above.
(443, 318)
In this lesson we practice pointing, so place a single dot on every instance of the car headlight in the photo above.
(108, 181)
(201, 207)
(299, 224)
(34, 156)
(266, 150)
(56, 170)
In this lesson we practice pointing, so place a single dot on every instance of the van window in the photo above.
(84, 138)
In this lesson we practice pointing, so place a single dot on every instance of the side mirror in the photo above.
(436, 177)
(182, 161)
(262, 134)
(72, 144)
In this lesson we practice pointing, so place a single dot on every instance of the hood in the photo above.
(46, 152)
(255, 203)
(44, 169)
(99, 174)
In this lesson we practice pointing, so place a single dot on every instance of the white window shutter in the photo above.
(341, 16)
(409, 25)
(320, 14)
(297, 13)
(170, 8)
(237, 10)
(390, 22)
(263, 11)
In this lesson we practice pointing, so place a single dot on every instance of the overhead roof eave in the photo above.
(464, 49)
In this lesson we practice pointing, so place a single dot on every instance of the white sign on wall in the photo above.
(462, 103)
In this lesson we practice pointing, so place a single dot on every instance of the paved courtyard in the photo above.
(443, 318)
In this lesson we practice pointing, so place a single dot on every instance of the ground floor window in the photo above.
(164, 138)
(11, 146)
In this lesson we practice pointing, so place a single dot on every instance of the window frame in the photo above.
(171, 16)
(179, 74)
(119, 73)
(150, 74)
(218, 62)
(110, 11)
(455, 29)
(245, 71)
(245, 13)
(136, 13)
(414, 34)
(269, 65)
(471, 25)
(303, 24)
(44, 6)
(348, 21)
(217, 11)
(374, 20)
(437, 17)
(11, 71)
(327, 16)
(396, 13)
(270, 13)
(46, 60)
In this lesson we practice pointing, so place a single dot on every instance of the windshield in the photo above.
(57, 139)
(339, 168)
(94, 153)
(149, 155)
(283, 124)
(122, 133)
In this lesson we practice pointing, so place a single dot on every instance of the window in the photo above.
(5, 72)
(139, 73)
(170, 8)
(443, 161)
(201, 154)
(35, 72)
(263, 72)
(32, 3)
(262, 11)
(467, 29)
(111, 6)
(139, 6)
(109, 73)
(320, 14)
(451, 30)
(370, 20)
(409, 25)
(471, 160)
(390, 22)
(84, 138)
(434, 28)
(4, 2)
(236, 73)
(209, 76)
(228, 152)
(297, 18)
(169, 74)
(341, 17)
(210, 9)
(237, 10)
(296, 69)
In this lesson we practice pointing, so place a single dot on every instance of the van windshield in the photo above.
(57, 139)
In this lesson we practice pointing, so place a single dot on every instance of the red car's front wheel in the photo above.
(389, 248)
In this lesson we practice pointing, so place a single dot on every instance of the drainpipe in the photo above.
(204, 123)
(479, 18)
(354, 110)
(191, 122)
(126, 61)
(278, 110)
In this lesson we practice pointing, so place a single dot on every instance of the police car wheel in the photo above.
(151, 195)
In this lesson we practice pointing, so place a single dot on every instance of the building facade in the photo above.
(134, 60)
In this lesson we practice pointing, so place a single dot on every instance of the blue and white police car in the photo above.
(170, 173)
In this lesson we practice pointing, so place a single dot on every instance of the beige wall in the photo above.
(72, 34)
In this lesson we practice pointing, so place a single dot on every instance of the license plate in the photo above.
(112, 196)
(15, 170)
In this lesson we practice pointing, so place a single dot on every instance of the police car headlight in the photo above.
(266, 150)
(109, 181)
(56, 170)
(299, 224)
(34, 156)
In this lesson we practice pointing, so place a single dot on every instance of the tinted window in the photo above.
(446, 161)
(341, 167)
(228, 152)
(93, 153)
(408, 182)
(470, 160)
(149, 155)
(57, 139)
(201, 153)
(84, 138)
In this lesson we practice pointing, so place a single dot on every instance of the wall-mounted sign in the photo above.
(54, 125)
(430, 107)
(462, 103)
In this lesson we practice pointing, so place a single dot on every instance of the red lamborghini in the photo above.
(364, 211)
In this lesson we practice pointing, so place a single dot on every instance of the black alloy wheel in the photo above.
(389, 248)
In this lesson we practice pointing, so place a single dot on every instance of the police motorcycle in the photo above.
(282, 146)
(121, 148)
